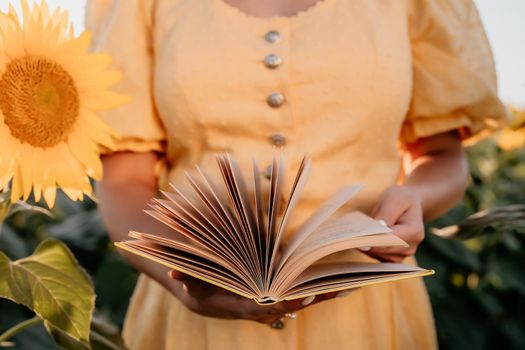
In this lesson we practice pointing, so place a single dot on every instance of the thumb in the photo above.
(389, 211)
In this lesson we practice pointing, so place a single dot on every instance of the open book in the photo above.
(235, 241)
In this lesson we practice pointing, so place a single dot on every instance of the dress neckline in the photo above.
(310, 10)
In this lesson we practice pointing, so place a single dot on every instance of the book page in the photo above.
(327, 209)
(175, 259)
(210, 195)
(245, 212)
(175, 215)
(262, 228)
(193, 266)
(357, 269)
(192, 249)
(294, 267)
(240, 213)
(349, 231)
(343, 228)
(274, 206)
(295, 193)
(202, 220)
(343, 283)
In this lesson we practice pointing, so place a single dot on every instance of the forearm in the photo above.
(439, 175)
(121, 207)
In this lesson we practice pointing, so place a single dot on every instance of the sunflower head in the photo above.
(51, 88)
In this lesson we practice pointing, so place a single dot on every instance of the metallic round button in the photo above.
(273, 61)
(278, 140)
(268, 172)
(275, 99)
(272, 36)
(277, 324)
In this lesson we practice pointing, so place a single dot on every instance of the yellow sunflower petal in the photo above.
(102, 100)
(45, 11)
(73, 194)
(7, 159)
(17, 187)
(26, 172)
(86, 153)
(50, 194)
(97, 130)
(26, 12)
(39, 171)
(96, 62)
(102, 80)
(13, 43)
(12, 13)
(68, 172)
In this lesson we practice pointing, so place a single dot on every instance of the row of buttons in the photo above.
(273, 61)
(275, 99)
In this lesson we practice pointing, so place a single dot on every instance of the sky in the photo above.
(504, 22)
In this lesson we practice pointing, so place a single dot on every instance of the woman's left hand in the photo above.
(400, 207)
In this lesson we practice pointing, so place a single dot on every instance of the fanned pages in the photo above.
(236, 241)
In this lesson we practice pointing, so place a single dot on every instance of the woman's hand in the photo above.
(400, 208)
(208, 300)
(435, 180)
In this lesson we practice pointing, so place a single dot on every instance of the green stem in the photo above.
(19, 328)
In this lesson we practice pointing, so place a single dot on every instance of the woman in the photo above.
(359, 85)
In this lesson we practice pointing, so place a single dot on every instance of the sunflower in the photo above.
(51, 89)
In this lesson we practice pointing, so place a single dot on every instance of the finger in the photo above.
(413, 215)
(195, 287)
(177, 275)
(410, 229)
(391, 210)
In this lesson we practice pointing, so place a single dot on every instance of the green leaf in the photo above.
(51, 283)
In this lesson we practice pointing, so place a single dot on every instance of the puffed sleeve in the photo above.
(123, 29)
(454, 78)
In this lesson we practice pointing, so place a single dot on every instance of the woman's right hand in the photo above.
(209, 300)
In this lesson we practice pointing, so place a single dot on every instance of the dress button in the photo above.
(278, 139)
(277, 324)
(273, 61)
(275, 99)
(272, 36)
(268, 172)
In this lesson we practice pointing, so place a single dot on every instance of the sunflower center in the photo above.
(39, 101)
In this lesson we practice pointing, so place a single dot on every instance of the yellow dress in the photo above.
(348, 83)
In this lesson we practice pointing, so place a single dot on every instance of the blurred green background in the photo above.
(478, 292)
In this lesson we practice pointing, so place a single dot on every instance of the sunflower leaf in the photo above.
(52, 284)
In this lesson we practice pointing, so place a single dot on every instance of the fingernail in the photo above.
(308, 300)
(344, 293)
(382, 222)
(364, 249)
(185, 287)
